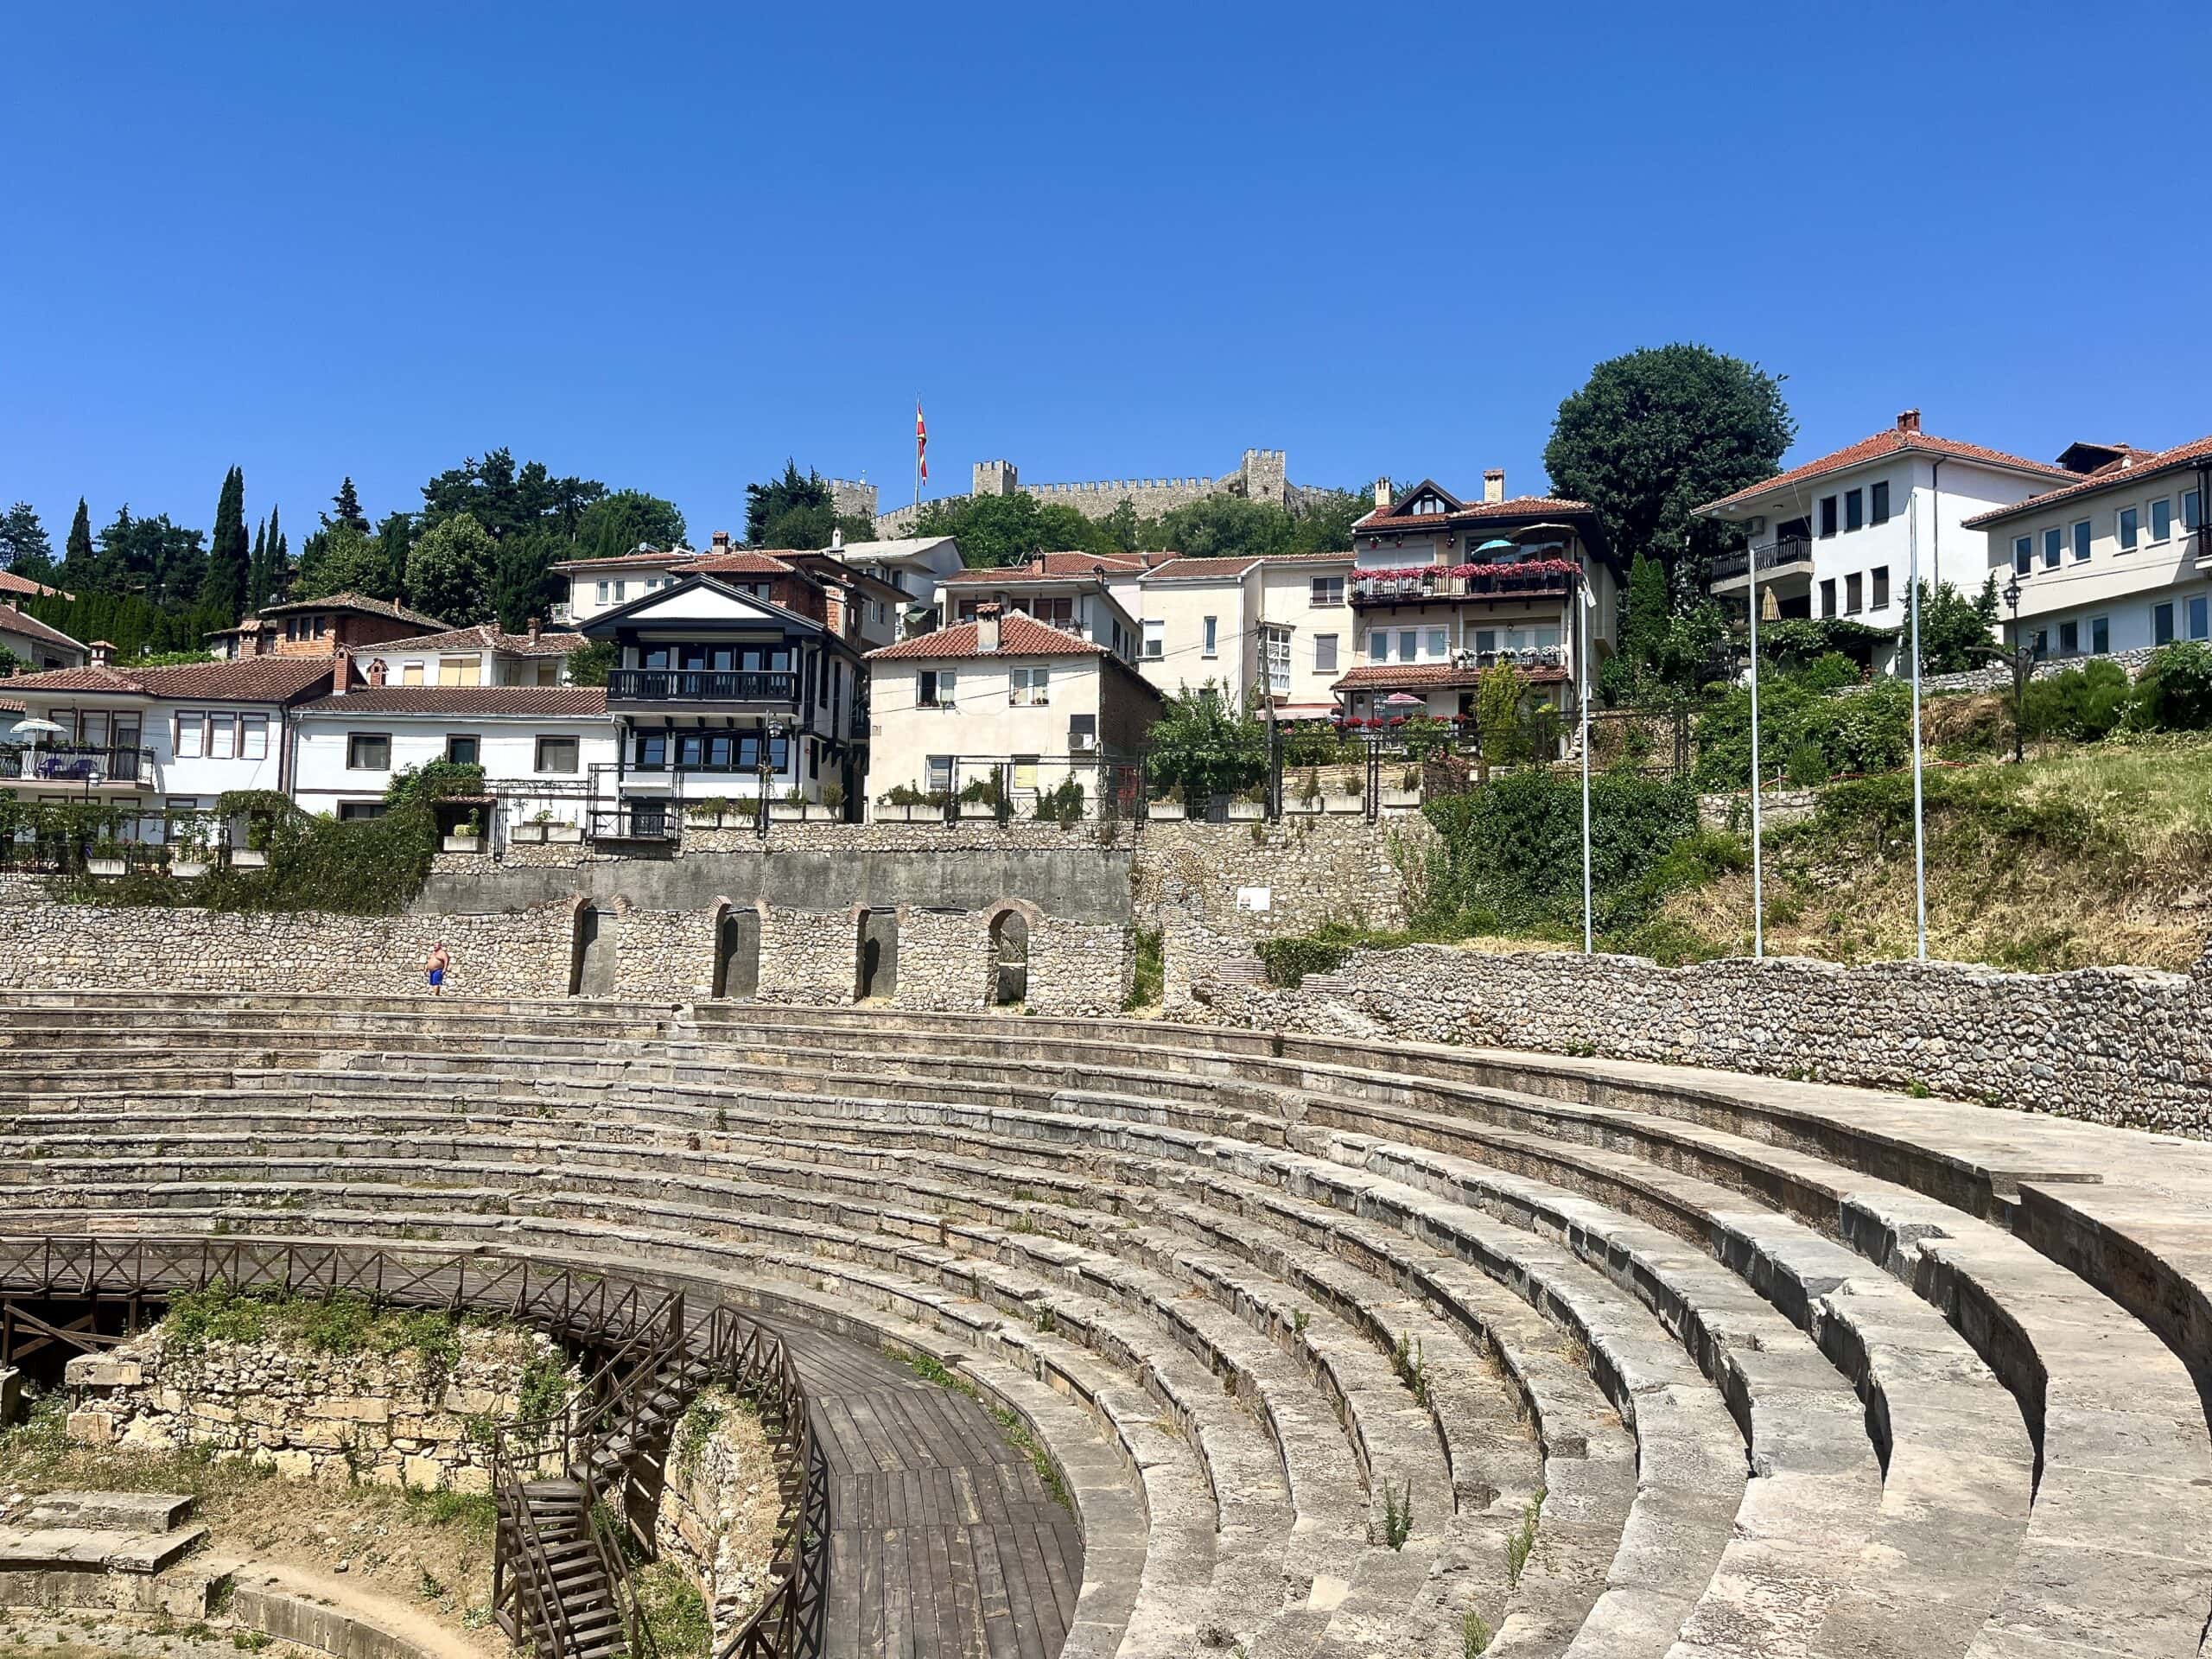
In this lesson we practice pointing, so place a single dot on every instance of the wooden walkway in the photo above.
(943, 1542)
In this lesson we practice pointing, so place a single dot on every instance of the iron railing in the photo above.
(1418, 587)
(1775, 556)
(701, 685)
(77, 764)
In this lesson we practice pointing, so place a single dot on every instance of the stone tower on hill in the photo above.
(1262, 476)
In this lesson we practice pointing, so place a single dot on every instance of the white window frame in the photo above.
(2083, 537)
(1325, 645)
(1378, 645)
(253, 737)
(222, 736)
(1328, 591)
(2159, 536)
(1029, 687)
(1156, 639)
(2024, 555)
(2054, 547)
(1211, 636)
(191, 742)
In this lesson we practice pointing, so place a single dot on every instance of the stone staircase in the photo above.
(1396, 1347)
(129, 1552)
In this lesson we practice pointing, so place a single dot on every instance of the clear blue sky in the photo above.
(667, 246)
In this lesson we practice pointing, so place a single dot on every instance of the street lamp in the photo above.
(2023, 667)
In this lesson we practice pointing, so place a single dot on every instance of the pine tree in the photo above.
(348, 505)
(228, 578)
(78, 551)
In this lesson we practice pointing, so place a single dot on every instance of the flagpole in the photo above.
(1758, 869)
(917, 452)
(1919, 833)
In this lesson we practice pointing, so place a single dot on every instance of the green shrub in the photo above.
(1149, 970)
(1063, 806)
(674, 1609)
(2175, 690)
(1808, 764)
(2090, 702)
(1289, 960)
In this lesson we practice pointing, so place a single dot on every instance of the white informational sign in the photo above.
(1254, 898)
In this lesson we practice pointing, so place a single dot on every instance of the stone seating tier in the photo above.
(1792, 1379)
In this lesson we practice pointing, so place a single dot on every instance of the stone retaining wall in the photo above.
(2128, 1047)
(719, 1508)
(388, 1419)
(1305, 870)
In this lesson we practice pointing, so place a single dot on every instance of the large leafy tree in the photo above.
(1654, 433)
(1206, 744)
(799, 509)
(346, 508)
(1326, 518)
(24, 548)
(1957, 633)
(504, 499)
(1224, 526)
(344, 559)
(995, 530)
(163, 562)
(622, 521)
(227, 581)
(450, 571)
(523, 583)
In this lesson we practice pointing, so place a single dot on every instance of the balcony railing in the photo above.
(637, 821)
(1774, 556)
(2199, 546)
(76, 765)
(701, 685)
(1505, 582)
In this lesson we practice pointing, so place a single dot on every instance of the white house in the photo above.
(539, 747)
(35, 644)
(1083, 593)
(2117, 559)
(165, 740)
(1834, 536)
(914, 566)
(483, 655)
(1277, 627)
(1003, 695)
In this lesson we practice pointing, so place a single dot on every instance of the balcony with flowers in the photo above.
(1429, 584)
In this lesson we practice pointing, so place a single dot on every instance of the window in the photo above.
(253, 737)
(2101, 634)
(1408, 644)
(1828, 597)
(648, 751)
(411, 674)
(2192, 509)
(191, 736)
(2199, 618)
(2024, 555)
(1211, 648)
(359, 811)
(1828, 515)
(2129, 523)
(940, 773)
(2042, 643)
(368, 751)
(1854, 509)
(556, 754)
(2081, 540)
(2162, 624)
(1439, 644)
(2069, 638)
(937, 688)
(602, 593)
(1328, 590)
(549, 673)
(2054, 548)
(1025, 772)
(457, 670)
(1880, 506)
(1854, 592)
(463, 751)
(1027, 688)
(1325, 653)
(1275, 647)
(1378, 645)
(1881, 588)
(2162, 519)
(1156, 642)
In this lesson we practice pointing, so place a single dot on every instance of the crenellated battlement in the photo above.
(1262, 475)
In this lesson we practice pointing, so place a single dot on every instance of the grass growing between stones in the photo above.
(1017, 1433)
(674, 1609)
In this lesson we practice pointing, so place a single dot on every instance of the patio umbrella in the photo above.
(1497, 544)
(1402, 700)
(23, 730)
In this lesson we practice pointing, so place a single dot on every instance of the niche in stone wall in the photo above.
(1009, 959)
(737, 954)
(876, 953)
(591, 958)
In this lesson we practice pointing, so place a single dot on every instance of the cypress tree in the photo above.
(79, 550)
(225, 584)
(256, 580)
(349, 507)
(280, 561)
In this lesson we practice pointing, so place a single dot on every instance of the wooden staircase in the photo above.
(568, 1601)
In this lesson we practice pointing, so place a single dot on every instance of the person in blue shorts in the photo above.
(438, 963)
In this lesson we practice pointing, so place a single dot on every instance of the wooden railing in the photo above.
(641, 1330)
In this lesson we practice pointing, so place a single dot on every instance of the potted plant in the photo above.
(833, 802)
(1354, 797)
(531, 831)
(1407, 793)
(790, 810)
(106, 857)
(189, 857)
(980, 799)
(561, 833)
(466, 837)
(1248, 805)
(1168, 809)
(1308, 799)
(709, 812)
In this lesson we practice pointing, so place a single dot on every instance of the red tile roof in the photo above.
(243, 679)
(2132, 467)
(742, 562)
(363, 603)
(1892, 441)
(650, 557)
(1180, 569)
(1042, 566)
(484, 636)
(12, 583)
(541, 702)
(1389, 520)
(1413, 676)
(10, 706)
(14, 621)
(1019, 636)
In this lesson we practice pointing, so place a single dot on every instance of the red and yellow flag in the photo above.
(921, 443)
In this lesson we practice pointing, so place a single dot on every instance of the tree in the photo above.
(1497, 719)
(1206, 746)
(395, 534)
(503, 499)
(228, 579)
(800, 510)
(9, 663)
(1645, 614)
(152, 557)
(450, 571)
(1224, 526)
(256, 579)
(77, 557)
(522, 577)
(343, 559)
(24, 548)
(280, 559)
(347, 506)
(997, 530)
(625, 520)
(1656, 433)
(589, 664)
(1325, 520)
(1956, 633)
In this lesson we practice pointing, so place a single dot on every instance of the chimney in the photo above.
(533, 630)
(721, 541)
(377, 673)
(1908, 421)
(986, 628)
(103, 653)
(341, 671)
(1383, 494)
(837, 536)
(1493, 484)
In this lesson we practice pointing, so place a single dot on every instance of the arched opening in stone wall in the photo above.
(1009, 959)
(737, 953)
(876, 952)
(591, 958)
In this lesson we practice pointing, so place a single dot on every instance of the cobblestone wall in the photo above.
(1310, 871)
(807, 957)
(2129, 1047)
(944, 960)
(719, 1509)
(392, 1419)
